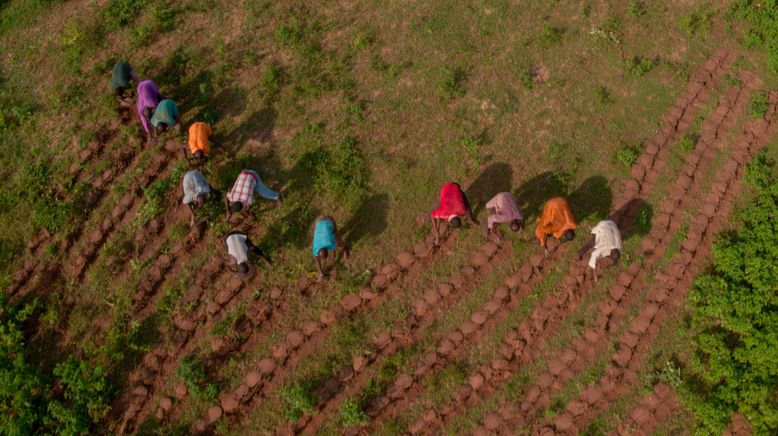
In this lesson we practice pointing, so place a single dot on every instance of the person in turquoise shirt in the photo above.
(326, 242)
(166, 115)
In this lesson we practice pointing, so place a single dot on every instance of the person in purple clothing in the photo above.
(148, 99)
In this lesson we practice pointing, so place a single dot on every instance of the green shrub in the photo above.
(627, 155)
(637, 8)
(734, 309)
(758, 105)
(119, 13)
(86, 397)
(762, 20)
(450, 82)
(686, 144)
(191, 371)
(352, 414)
(299, 399)
(550, 35)
(639, 66)
(696, 23)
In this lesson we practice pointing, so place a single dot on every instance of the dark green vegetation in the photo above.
(734, 312)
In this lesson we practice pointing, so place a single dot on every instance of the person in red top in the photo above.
(452, 205)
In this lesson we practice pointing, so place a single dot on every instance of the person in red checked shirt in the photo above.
(241, 196)
(452, 205)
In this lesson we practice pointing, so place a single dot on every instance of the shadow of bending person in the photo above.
(592, 200)
(496, 178)
(633, 218)
(534, 193)
(370, 219)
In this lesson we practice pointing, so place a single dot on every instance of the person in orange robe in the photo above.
(199, 133)
(556, 220)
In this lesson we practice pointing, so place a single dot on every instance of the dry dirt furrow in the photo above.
(297, 344)
(650, 412)
(423, 312)
(596, 339)
(739, 427)
(505, 298)
(521, 344)
(669, 290)
(23, 278)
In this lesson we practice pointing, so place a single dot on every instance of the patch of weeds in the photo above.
(586, 9)
(224, 326)
(352, 414)
(638, 66)
(696, 23)
(177, 232)
(596, 427)
(342, 172)
(119, 13)
(155, 194)
(450, 82)
(670, 374)
(557, 405)
(687, 143)
(637, 8)
(271, 78)
(550, 35)
(469, 145)
(731, 81)
(191, 371)
(290, 34)
(525, 77)
(165, 17)
(298, 398)
(557, 151)
(604, 95)
(758, 105)
(627, 155)
(448, 378)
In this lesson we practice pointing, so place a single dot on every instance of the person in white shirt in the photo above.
(238, 247)
(605, 242)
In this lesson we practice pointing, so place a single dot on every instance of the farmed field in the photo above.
(497, 217)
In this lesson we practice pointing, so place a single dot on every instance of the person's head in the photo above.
(615, 255)
(516, 225)
(147, 113)
(199, 154)
(569, 235)
(201, 198)
(119, 92)
(243, 268)
(455, 222)
(161, 127)
(236, 206)
(323, 253)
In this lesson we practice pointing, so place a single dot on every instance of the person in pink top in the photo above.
(503, 210)
(452, 205)
(148, 99)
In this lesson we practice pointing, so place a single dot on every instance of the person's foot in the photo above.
(320, 278)
(545, 251)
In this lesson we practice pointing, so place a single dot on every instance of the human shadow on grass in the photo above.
(634, 218)
(370, 219)
(257, 126)
(534, 193)
(592, 200)
(496, 178)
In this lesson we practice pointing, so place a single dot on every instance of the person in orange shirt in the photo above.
(556, 220)
(199, 133)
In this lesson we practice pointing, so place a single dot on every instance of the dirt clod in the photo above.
(479, 317)
(214, 414)
(350, 302)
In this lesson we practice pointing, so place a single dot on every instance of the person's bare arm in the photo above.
(469, 215)
(341, 244)
(191, 215)
(319, 267)
(589, 245)
(227, 207)
(134, 77)
(436, 228)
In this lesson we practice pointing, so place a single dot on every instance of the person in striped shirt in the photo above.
(241, 196)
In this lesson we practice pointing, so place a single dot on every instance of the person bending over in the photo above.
(121, 76)
(557, 220)
(166, 115)
(606, 242)
(197, 143)
(239, 247)
(197, 191)
(148, 99)
(326, 243)
(503, 210)
(241, 196)
(451, 206)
